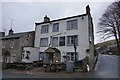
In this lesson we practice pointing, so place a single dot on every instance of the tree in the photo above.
(109, 23)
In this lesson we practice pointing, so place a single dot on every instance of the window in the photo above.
(3, 44)
(72, 24)
(72, 40)
(44, 29)
(27, 56)
(27, 39)
(28, 52)
(62, 41)
(55, 27)
(71, 56)
(43, 42)
(55, 41)
(68, 57)
(11, 43)
(41, 55)
(23, 55)
(23, 51)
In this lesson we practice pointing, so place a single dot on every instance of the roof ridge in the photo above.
(61, 19)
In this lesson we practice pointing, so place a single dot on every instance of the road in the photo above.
(106, 67)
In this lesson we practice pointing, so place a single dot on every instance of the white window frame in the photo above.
(44, 29)
(71, 58)
(42, 42)
(72, 24)
(55, 27)
(12, 44)
(27, 56)
(70, 40)
(61, 40)
(54, 44)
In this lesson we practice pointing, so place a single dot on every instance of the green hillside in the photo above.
(107, 43)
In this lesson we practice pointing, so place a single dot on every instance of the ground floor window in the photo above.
(71, 56)
(41, 55)
(25, 54)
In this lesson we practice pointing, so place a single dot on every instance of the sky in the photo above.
(25, 14)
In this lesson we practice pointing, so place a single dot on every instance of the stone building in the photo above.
(13, 43)
(1, 35)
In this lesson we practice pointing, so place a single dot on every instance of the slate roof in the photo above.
(15, 35)
(53, 50)
(61, 19)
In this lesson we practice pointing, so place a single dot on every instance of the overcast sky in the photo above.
(25, 14)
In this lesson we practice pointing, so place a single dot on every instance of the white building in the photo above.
(62, 35)
(30, 54)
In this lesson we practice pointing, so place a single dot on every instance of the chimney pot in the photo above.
(11, 31)
(46, 19)
(87, 9)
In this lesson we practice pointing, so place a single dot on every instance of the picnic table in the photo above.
(54, 67)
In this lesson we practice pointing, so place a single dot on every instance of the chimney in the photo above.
(2, 34)
(11, 31)
(46, 19)
(87, 9)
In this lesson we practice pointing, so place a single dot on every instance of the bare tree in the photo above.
(109, 23)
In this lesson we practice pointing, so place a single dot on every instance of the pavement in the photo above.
(106, 67)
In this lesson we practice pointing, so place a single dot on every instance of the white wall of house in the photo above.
(82, 32)
(32, 54)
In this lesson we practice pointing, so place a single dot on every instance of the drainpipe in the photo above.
(75, 47)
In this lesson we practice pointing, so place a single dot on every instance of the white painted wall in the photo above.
(82, 32)
(34, 54)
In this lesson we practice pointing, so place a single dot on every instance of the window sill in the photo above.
(73, 29)
(44, 33)
(71, 45)
(43, 46)
(55, 31)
